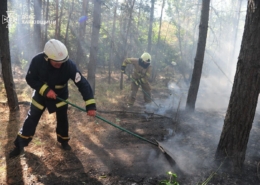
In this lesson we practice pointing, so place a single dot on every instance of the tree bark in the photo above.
(6, 62)
(198, 62)
(94, 43)
(125, 47)
(244, 95)
(154, 69)
(68, 23)
(57, 20)
(81, 54)
(149, 46)
(60, 18)
(46, 25)
(111, 56)
(37, 27)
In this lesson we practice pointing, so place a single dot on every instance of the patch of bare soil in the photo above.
(101, 153)
(104, 155)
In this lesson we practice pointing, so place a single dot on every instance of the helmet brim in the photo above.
(61, 61)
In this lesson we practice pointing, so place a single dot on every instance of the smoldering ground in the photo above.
(193, 140)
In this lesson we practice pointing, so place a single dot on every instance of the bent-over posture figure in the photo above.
(48, 75)
(140, 77)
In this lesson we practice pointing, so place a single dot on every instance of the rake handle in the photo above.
(103, 119)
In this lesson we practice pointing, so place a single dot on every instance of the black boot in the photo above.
(65, 146)
(16, 152)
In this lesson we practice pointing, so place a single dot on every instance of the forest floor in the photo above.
(104, 155)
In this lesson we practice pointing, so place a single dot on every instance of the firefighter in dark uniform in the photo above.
(140, 77)
(48, 75)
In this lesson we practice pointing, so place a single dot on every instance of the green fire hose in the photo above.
(167, 154)
(117, 126)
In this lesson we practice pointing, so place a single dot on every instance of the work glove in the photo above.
(138, 82)
(91, 113)
(51, 94)
(123, 69)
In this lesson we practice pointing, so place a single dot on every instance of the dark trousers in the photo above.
(27, 131)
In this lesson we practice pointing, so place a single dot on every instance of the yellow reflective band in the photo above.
(43, 88)
(60, 86)
(63, 137)
(25, 137)
(60, 104)
(147, 74)
(91, 101)
(143, 80)
(36, 104)
(127, 61)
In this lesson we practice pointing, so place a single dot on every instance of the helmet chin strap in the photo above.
(46, 57)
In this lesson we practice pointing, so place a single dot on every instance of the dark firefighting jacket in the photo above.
(42, 77)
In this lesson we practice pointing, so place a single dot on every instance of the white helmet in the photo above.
(56, 50)
(146, 57)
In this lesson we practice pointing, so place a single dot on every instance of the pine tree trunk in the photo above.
(198, 62)
(112, 43)
(37, 26)
(244, 95)
(6, 62)
(81, 43)
(94, 43)
(154, 69)
(57, 20)
(60, 18)
(149, 46)
(68, 23)
(46, 19)
(125, 46)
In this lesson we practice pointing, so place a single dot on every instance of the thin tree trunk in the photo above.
(46, 19)
(37, 27)
(244, 96)
(111, 55)
(198, 62)
(149, 46)
(125, 39)
(159, 33)
(178, 34)
(60, 18)
(6, 62)
(68, 23)
(57, 20)
(81, 54)
(154, 73)
(94, 43)
(138, 18)
(193, 37)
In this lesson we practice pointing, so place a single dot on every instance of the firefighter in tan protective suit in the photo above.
(140, 77)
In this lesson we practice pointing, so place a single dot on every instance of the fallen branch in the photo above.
(19, 103)
(132, 112)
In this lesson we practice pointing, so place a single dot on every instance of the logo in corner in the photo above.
(9, 19)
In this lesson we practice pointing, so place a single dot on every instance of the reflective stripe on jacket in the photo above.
(42, 77)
